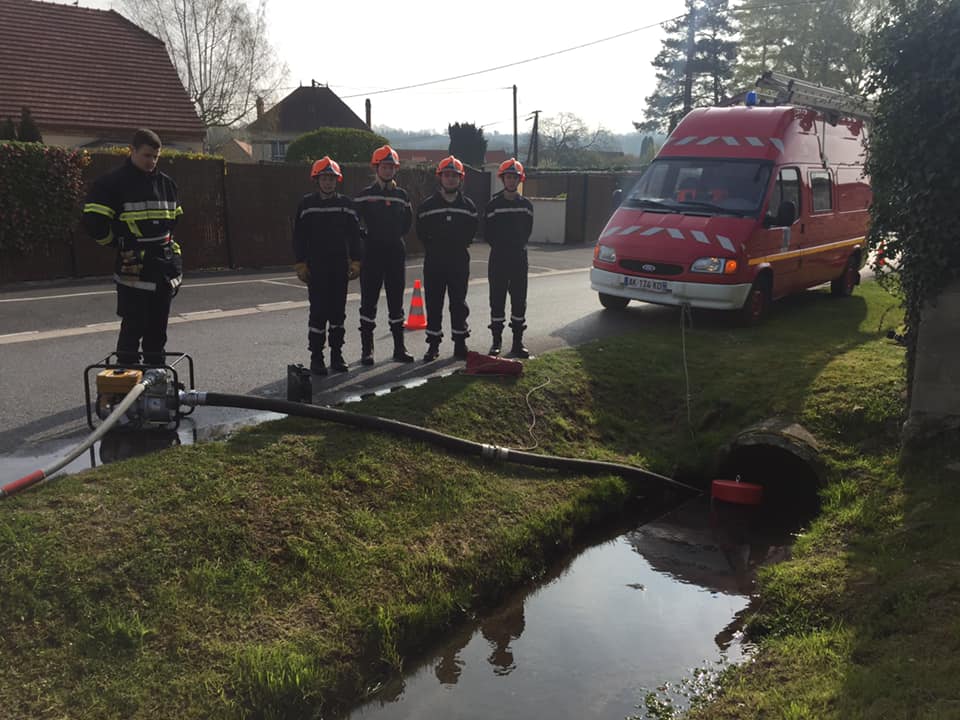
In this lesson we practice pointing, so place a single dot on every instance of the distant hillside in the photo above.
(629, 143)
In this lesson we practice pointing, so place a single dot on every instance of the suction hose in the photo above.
(645, 478)
(11, 488)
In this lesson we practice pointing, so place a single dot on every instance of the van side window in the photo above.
(787, 187)
(822, 189)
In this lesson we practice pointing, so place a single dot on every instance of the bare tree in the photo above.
(220, 50)
(566, 141)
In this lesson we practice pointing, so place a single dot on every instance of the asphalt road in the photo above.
(242, 330)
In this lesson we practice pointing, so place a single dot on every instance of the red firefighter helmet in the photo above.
(385, 153)
(511, 166)
(326, 166)
(450, 163)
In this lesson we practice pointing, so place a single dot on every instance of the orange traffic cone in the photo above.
(416, 320)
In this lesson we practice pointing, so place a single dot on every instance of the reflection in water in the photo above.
(122, 444)
(621, 619)
(498, 629)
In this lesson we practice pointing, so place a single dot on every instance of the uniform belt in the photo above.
(158, 240)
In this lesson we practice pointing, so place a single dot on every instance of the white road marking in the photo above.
(217, 313)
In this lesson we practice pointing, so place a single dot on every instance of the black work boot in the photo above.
(317, 366)
(497, 345)
(366, 346)
(433, 350)
(336, 360)
(518, 350)
(400, 353)
(336, 349)
(460, 347)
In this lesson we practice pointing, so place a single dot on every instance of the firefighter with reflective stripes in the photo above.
(135, 209)
(386, 216)
(328, 252)
(446, 224)
(508, 222)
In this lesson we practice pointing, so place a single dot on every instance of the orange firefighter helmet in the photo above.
(511, 166)
(385, 153)
(450, 163)
(326, 166)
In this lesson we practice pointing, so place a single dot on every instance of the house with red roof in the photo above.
(306, 109)
(90, 77)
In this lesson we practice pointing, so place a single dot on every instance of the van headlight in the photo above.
(606, 254)
(714, 265)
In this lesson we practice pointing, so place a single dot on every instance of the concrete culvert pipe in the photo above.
(783, 457)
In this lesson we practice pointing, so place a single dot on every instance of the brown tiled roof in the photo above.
(88, 70)
(305, 109)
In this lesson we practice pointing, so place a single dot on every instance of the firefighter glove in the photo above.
(303, 272)
(353, 271)
(175, 283)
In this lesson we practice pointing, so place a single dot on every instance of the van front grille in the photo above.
(651, 268)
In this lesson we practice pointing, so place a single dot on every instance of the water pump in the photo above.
(159, 404)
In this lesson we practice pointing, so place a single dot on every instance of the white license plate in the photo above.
(645, 284)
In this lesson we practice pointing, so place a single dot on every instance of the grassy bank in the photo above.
(299, 562)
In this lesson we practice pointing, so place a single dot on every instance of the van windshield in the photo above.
(702, 186)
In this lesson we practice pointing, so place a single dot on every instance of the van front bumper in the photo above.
(669, 292)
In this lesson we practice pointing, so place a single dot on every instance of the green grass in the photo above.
(294, 566)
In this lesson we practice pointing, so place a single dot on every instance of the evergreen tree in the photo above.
(29, 132)
(716, 51)
(714, 54)
(467, 143)
(820, 42)
(647, 149)
(8, 131)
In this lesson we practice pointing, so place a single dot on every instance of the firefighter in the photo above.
(446, 224)
(328, 252)
(134, 209)
(386, 216)
(508, 222)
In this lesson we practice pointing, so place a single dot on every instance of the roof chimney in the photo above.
(259, 107)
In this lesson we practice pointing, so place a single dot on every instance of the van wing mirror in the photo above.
(617, 198)
(786, 214)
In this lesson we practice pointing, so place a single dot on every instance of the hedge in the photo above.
(41, 190)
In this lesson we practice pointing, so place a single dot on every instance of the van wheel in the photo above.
(757, 305)
(843, 286)
(613, 302)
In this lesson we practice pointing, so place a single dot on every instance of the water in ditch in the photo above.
(656, 609)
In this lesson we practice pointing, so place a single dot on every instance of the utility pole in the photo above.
(367, 108)
(515, 150)
(691, 47)
(534, 149)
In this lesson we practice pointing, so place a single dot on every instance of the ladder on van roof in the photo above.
(834, 104)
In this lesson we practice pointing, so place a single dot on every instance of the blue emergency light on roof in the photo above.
(751, 98)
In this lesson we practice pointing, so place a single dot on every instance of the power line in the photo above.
(752, 6)
(518, 62)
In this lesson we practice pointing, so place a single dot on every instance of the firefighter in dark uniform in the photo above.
(446, 224)
(508, 222)
(385, 213)
(135, 209)
(328, 251)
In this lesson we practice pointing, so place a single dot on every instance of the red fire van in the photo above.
(741, 206)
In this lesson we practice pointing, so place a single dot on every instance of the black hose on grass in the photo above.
(645, 478)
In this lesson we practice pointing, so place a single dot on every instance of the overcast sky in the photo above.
(359, 48)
